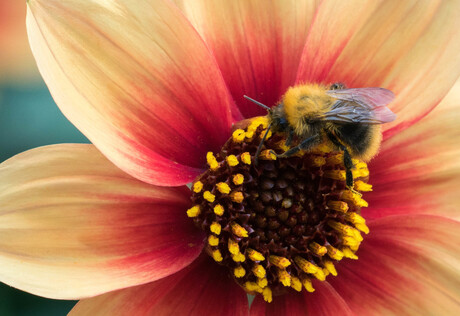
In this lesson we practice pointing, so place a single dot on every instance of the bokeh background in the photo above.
(28, 118)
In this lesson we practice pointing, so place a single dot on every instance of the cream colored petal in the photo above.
(137, 80)
(73, 225)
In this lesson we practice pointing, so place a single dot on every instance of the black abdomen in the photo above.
(356, 136)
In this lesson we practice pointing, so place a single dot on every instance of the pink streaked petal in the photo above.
(137, 80)
(201, 289)
(257, 44)
(408, 265)
(409, 47)
(74, 225)
(418, 170)
(324, 301)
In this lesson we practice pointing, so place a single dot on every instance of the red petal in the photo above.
(137, 80)
(324, 301)
(408, 48)
(408, 265)
(201, 289)
(73, 225)
(256, 43)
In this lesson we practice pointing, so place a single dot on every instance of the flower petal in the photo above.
(324, 301)
(73, 225)
(257, 44)
(200, 289)
(418, 170)
(137, 80)
(408, 265)
(409, 47)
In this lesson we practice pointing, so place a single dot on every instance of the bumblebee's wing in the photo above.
(363, 105)
(366, 97)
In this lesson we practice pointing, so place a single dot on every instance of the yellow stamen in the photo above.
(318, 249)
(318, 161)
(348, 253)
(215, 228)
(252, 287)
(213, 240)
(197, 186)
(335, 174)
(238, 135)
(323, 148)
(246, 158)
(219, 210)
(361, 173)
(358, 221)
(238, 179)
(362, 186)
(233, 247)
(339, 206)
(330, 267)
(284, 277)
(232, 160)
(320, 275)
(194, 211)
(239, 272)
(355, 198)
(208, 196)
(223, 188)
(262, 282)
(335, 159)
(268, 135)
(360, 164)
(212, 161)
(334, 253)
(346, 230)
(268, 296)
(306, 282)
(239, 257)
(239, 230)
(256, 122)
(259, 271)
(306, 265)
(296, 284)
(282, 145)
(254, 255)
(363, 228)
(249, 135)
(237, 196)
(267, 155)
(216, 255)
(280, 262)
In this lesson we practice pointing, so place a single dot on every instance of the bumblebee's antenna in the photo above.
(257, 102)
(259, 149)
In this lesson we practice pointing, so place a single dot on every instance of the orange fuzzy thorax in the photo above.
(305, 101)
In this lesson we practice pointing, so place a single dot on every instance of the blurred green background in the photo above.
(28, 118)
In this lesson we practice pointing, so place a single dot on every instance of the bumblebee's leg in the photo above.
(289, 137)
(259, 149)
(347, 162)
(348, 166)
(304, 145)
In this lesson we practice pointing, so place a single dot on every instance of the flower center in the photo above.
(278, 224)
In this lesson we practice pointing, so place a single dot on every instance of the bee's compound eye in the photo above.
(337, 86)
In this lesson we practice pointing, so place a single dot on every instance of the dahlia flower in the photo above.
(158, 89)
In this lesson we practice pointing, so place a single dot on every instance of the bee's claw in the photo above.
(354, 191)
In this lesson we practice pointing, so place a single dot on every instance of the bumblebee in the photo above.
(349, 119)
